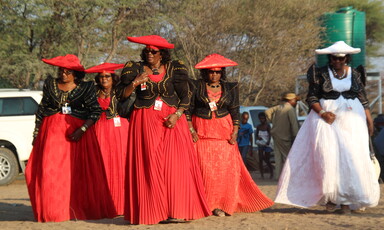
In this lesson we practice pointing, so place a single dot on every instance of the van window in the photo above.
(17, 106)
(254, 113)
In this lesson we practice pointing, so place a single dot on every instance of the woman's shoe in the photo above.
(218, 212)
(330, 207)
(345, 209)
(173, 221)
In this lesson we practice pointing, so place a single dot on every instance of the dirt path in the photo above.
(16, 213)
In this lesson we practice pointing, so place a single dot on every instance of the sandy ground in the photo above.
(16, 213)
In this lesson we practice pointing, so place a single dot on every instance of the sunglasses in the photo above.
(151, 51)
(214, 71)
(66, 72)
(338, 58)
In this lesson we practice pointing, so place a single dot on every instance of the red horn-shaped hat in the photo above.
(215, 61)
(68, 61)
(152, 40)
(105, 67)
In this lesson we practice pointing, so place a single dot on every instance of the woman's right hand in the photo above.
(141, 78)
(328, 117)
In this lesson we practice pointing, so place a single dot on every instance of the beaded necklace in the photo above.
(213, 86)
(337, 76)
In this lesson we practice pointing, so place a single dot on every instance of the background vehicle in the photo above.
(17, 121)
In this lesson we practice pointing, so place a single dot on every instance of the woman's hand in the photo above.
(75, 136)
(193, 132)
(233, 139)
(328, 117)
(141, 78)
(171, 120)
(195, 137)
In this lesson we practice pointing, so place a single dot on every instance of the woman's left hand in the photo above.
(171, 120)
(75, 136)
(233, 139)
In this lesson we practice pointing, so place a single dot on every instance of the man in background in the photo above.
(284, 128)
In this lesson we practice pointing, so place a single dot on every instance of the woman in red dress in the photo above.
(163, 178)
(65, 172)
(214, 125)
(111, 131)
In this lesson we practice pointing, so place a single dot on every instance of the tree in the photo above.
(93, 30)
(273, 41)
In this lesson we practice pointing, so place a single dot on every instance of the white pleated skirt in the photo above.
(331, 162)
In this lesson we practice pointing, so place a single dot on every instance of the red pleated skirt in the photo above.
(113, 145)
(66, 180)
(228, 185)
(163, 178)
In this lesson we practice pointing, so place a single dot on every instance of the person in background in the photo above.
(163, 177)
(111, 131)
(329, 163)
(214, 122)
(65, 173)
(378, 142)
(244, 138)
(284, 128)
(263, 141)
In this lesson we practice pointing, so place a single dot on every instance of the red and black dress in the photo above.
(163, 177)
(112, 135)
(66, 180)
(228, 185)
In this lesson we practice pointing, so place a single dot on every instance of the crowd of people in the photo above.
(181, 154)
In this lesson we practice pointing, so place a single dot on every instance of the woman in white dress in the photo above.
(329, 162)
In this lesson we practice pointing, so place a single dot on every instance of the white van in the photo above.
(17, 122)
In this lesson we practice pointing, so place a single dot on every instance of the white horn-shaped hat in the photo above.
(339, 49)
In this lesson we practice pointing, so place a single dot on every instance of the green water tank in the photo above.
(348, 25)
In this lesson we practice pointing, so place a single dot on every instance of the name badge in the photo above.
(116, 121)
(213, 106)
(143, 86)
(158, 105)
(66, 109)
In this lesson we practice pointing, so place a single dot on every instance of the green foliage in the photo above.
(273, 41)
(93, 30)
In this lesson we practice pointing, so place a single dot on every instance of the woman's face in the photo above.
(66, 75)
(153, 56)
(338, 62)
(214, 75)
(106, 80)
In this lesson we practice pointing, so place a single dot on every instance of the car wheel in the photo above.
(9, 168)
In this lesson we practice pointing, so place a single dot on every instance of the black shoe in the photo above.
(173, 221)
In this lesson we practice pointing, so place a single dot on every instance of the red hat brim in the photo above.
(105, 67)
(152, 40)
(68, 61)
(215, 61)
